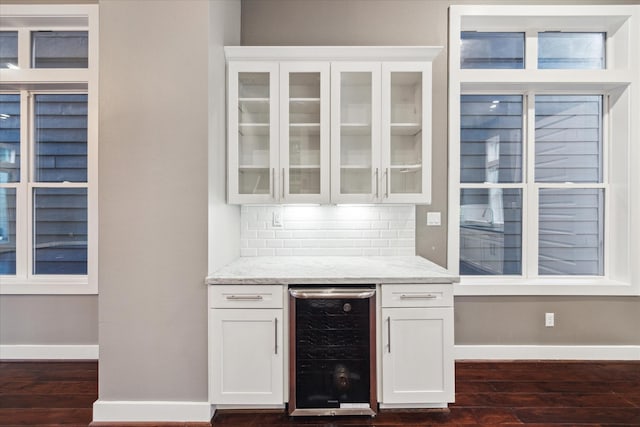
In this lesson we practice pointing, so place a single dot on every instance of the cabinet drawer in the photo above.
(417, 295)
(245, 296)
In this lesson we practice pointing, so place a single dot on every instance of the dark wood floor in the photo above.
(487, 393)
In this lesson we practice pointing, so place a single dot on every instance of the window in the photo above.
(542, 107)
(48, 147)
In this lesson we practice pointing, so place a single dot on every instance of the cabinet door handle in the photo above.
(276, 334)
(377, 184)
(283, 185)
(273, 182)
(418, 296)
(388, 334)
(244, 297)
(387, 179)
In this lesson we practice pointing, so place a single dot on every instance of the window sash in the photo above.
(25, 189)
(531, 189)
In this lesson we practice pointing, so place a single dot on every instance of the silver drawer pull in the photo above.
(245, 297)
(418, 296)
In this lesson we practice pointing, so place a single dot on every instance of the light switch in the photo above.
(277, 217)
(433, 218)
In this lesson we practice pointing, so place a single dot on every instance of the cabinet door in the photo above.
(406, 133)
(253, 132)
(304, 132)
(355, 132)
(417, 355)
(246, 356)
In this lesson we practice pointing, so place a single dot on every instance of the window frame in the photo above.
(619, 79)
(29, 82)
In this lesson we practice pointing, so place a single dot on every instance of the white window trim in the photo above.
(26, 18)
(620, 79)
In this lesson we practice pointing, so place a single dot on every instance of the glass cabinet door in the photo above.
(304, 115)
(406, 133)
(355, 132)
(252, 133)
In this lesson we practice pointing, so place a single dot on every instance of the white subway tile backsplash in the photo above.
(328, 230)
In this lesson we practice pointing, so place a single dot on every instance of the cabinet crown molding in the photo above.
(331, 53)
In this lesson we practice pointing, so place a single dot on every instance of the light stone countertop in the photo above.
(343, 270)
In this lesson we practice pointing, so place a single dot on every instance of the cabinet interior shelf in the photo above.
(407, 168)
(355, 166)
(253, 128)
(253, 167)
(403, 129)
(304, 167)
(355, 129)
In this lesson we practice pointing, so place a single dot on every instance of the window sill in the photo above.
(62, 285)
(567, 286)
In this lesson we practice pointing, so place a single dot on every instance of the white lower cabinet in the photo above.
(246, 352)
(417, 345)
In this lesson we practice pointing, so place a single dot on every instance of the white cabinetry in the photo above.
(320, 125)
(417, 345)
(246, 352)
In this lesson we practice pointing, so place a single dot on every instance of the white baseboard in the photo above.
(547, 352)
(151, 411)
(49, 352)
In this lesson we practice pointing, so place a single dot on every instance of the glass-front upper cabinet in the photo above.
(253, 132)
(406, 133)
(355, 132)
(304, 132)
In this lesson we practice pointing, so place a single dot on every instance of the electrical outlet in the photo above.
(549, 320)
(433, 218)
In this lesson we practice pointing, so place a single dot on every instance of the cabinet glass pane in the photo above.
(60, 49)
(569, 138)
(491, 138)
(7, 231)
(355, 133)
(9, 138)
(8, 49)
(406, 132)
(491, 231)
(571, 50)
(60, 231)
(253, 133)
(491, 50)
(571, 230)
(304, 133)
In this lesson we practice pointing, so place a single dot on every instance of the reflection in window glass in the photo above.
(8, 49)
(490, 138)
(7, 231)
(60, 231)
(60, 49)
(491, 50)
(571, 232)
(61, 138)
(9, 138)
(571, 50)
(568, 138)
(491, 231)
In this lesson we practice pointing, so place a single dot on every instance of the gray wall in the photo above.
(154, 121)
(479, 320)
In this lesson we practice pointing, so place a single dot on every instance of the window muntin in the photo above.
(566, 50)
(7, 231)
(491, 50)
(60, 138)
(60, 231)
(9, 138)
(491, 129)
(8, 49)
(568, 138)
(571, 231)
(60, 49)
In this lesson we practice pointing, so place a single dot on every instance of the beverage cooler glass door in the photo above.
(332, 352)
